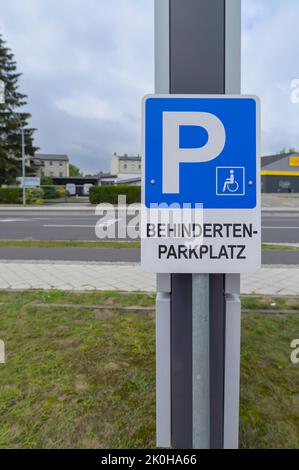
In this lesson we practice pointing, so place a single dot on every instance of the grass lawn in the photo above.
(105, 244)
(83, 377)
(70, 244)
(266, 247)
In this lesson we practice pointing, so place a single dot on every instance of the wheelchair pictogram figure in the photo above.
(230, 183)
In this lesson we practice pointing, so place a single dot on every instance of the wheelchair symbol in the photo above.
(231, 184)
(230, 181)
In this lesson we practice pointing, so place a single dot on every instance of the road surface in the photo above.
(277, 227)
(115, 255)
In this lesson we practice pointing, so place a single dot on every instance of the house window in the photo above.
(51, 173)
(61, 174)
(125, 166)
(139, 166)
(51, 163)
(60, 164)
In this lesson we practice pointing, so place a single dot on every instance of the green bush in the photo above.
(46, 181)
(34, 196)
(109, 194)
(60, 192)
(49, 192)
(53, 192)
(10, 195)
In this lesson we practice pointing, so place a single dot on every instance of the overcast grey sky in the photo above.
(87, 63)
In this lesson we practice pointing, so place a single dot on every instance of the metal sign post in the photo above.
(198, 315)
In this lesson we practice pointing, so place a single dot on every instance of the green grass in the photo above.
(266, 247)
(270, 303)
(85, 377)
(109, 298)
(269, 382)
(104, 244)
(76, 378)
(69, 244)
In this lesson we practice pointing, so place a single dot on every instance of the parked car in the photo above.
(86, 188)
(70, 189)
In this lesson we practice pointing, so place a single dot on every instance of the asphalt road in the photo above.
(116, 255)
(278, 227)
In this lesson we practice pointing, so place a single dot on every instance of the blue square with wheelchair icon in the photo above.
(230, 181)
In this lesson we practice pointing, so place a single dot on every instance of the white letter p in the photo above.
(173, 155)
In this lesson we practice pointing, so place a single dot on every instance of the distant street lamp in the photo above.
(2, 101)
(23, 165)
(2, 92)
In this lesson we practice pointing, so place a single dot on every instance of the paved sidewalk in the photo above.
(127, 277)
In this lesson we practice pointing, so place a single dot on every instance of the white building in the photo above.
(125, 165)
(51, 165)
(126, 169)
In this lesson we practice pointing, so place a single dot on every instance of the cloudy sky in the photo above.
(87, 63)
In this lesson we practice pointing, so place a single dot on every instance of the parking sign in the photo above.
(202, 152)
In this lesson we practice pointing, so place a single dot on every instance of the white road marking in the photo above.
(281, 228)
(105, 224)
(24, 220)
(13, 220)
(68, 226)
(109, 223)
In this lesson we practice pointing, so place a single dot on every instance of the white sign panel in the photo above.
(201, 184)
(29, 181)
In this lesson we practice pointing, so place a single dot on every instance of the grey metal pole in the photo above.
(197, 58)
(23, 165)
(198, 52)
(201, 361)
(232, 282)
(163, 301)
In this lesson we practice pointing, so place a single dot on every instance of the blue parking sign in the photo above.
(201, 150)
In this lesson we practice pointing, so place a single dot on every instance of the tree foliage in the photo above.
(74, 170)
(12, 120)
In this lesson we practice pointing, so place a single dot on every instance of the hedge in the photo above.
(14, 195)
(53, 192)
(10, 195)
(109, 194)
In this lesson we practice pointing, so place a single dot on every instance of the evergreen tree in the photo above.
(12, 119)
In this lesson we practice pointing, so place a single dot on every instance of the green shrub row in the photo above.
(10, 195)
(33, 195)
(109, 194)
(53, 192)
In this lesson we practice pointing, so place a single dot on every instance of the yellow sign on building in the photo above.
(294, 161)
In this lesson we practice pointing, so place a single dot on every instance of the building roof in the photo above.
(128, 176)
(280, 163)
(132, 158)
(51, 156)
(102, 175)
(268, 160)
(75, 179)
(128, 180)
